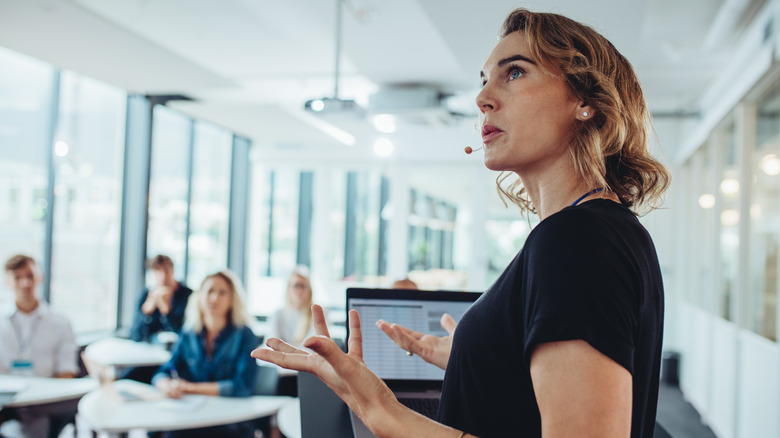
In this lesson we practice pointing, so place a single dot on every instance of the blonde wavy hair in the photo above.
(611, 149)
(237, 315)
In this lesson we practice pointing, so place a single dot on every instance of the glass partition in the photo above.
(765, 217)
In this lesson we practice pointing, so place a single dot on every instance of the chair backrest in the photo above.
(323, 414)
(266, 381)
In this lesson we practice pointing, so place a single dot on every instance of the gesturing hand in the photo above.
(432, 349)
(346, 374)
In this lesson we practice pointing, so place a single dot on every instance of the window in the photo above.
(764, 217)
(25, 146)
(210, 202)
(284, 211)
(337, 230)
(431, 233)
(169, 187)
(421, 212)
(729, 218)
(361, 260)
(89, 157)
(505, 239)
(273, 229)
(702, 223)
(449, 214)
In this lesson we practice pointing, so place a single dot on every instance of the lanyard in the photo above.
(586, 195)
(24, 343)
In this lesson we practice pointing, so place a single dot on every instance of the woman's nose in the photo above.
(485, 100)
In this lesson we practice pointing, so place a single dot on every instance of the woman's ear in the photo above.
(584, 112)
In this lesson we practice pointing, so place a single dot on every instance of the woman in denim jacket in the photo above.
(212, 355)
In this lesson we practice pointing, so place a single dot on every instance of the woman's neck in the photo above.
(214, 325)
(557, 187)
(554, 189)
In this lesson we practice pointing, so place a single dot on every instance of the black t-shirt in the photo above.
(588, 272)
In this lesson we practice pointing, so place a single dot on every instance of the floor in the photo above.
(679, 417)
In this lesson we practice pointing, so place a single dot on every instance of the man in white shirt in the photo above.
(34, 341)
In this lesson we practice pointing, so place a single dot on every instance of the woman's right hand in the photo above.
(345, 373)
(432, 349)
(172, 388)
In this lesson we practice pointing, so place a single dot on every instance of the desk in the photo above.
(106, 412)
(289, 419)
(119, 352)
(43, 390)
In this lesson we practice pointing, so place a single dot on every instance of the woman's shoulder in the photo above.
(589, 216)
(244, 331)
(569, 220)
(580, 228)
(188, 333)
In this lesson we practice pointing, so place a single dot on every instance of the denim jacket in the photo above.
(230, 366)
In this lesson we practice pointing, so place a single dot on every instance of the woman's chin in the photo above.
(216, 313)
(493, 163)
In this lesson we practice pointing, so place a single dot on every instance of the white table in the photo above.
(118, 352)
(105, 411)
(42, 390)
(289, 419)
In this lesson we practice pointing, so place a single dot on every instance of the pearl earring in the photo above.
(585, 114)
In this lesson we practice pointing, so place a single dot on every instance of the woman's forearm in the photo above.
(397, 421)
(148, 306)
(203, 388)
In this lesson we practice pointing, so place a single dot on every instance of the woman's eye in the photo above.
(514, 74)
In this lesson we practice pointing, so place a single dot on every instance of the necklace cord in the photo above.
(594, 191)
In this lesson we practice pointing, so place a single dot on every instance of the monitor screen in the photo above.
(420, 311)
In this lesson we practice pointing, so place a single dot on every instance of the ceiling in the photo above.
(250, 65)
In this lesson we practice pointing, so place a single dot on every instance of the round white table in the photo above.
(289, 419)
(118, 352)
(126, 404)
(31, 391)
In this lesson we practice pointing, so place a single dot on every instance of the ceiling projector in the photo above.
(333, 105)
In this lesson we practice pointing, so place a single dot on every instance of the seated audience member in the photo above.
(404, 283)
(292, 323)
(212, 354)
(34, 341)
(160, 308)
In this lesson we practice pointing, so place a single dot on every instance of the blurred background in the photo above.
(261, 135)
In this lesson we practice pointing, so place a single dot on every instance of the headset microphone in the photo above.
(468, 149)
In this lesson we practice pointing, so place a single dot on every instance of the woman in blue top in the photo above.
(212, 355)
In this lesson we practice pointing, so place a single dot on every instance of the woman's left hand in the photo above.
(345, 373)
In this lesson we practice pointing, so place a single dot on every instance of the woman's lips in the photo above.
(489, 132)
